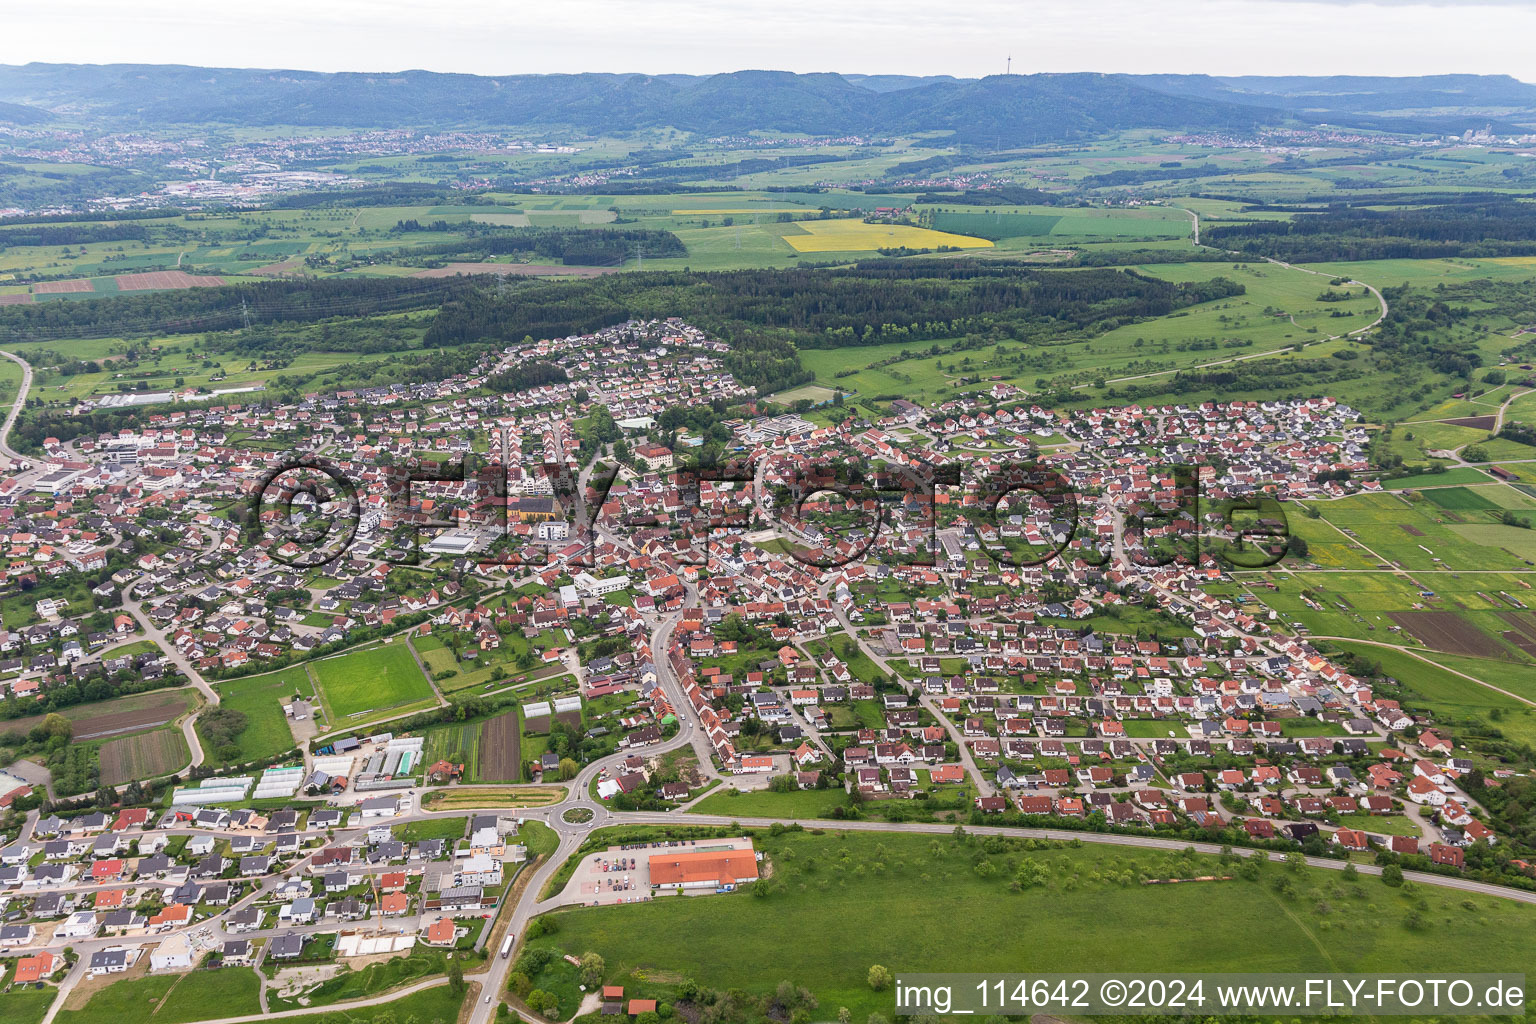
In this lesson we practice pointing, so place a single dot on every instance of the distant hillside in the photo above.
(1016, 109)
(17, 113)
(1358, 93)
(1003, 109)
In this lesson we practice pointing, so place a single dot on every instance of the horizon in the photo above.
(1303, 37)
(764, 70)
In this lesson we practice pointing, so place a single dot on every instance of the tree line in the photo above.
(1478, 228)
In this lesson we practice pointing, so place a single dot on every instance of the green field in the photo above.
(880, 894)
(1381, 824)
(761, 803)
(431, 828)
(365, 682)
(1451, 699)
(261, 700)
(1459, 499)
(26, 1005)
(1459, 475)
(435, 1005)
(171, 999)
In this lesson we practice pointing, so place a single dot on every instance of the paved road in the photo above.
(10, 417)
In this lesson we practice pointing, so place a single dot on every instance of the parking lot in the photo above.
(606, 877)
(593, 886)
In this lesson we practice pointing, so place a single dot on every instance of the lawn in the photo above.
(1308, 726)
(1150, 728)
(1381, 824)
(882, 894)
(431, 828)
(206, 995)
(373, 679)
(762, 803)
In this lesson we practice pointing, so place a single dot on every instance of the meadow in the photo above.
(879, 895)
(261, 699)
(169, 999)
(26, 1005)
(1416, 533)
(1278, 311)
(1451, 698)
(1363, 604)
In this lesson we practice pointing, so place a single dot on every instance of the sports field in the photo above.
(373, 679)
(857, 236)
(813, 393)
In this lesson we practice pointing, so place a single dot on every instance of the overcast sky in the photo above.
(968, 39)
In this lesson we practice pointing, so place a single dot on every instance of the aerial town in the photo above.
(678, 631)
(901, 515)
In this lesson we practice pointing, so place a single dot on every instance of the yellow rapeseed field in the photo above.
(857, 236)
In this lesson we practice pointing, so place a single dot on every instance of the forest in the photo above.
(766, 316)
(592, 247)
(221, 308)
(1478, 227)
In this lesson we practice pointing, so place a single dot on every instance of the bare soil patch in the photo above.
(62, 287)
(1447, 631)
(501, 749)
(160, 279)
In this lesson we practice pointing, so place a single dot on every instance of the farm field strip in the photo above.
(144, 756)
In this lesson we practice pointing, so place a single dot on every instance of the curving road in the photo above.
(10, 417)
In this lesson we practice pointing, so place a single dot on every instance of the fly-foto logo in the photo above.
(826, 514)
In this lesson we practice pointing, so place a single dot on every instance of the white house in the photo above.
(81, 925)
(174, 954)
(381, 807)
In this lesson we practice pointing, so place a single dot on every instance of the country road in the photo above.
(10, 417)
